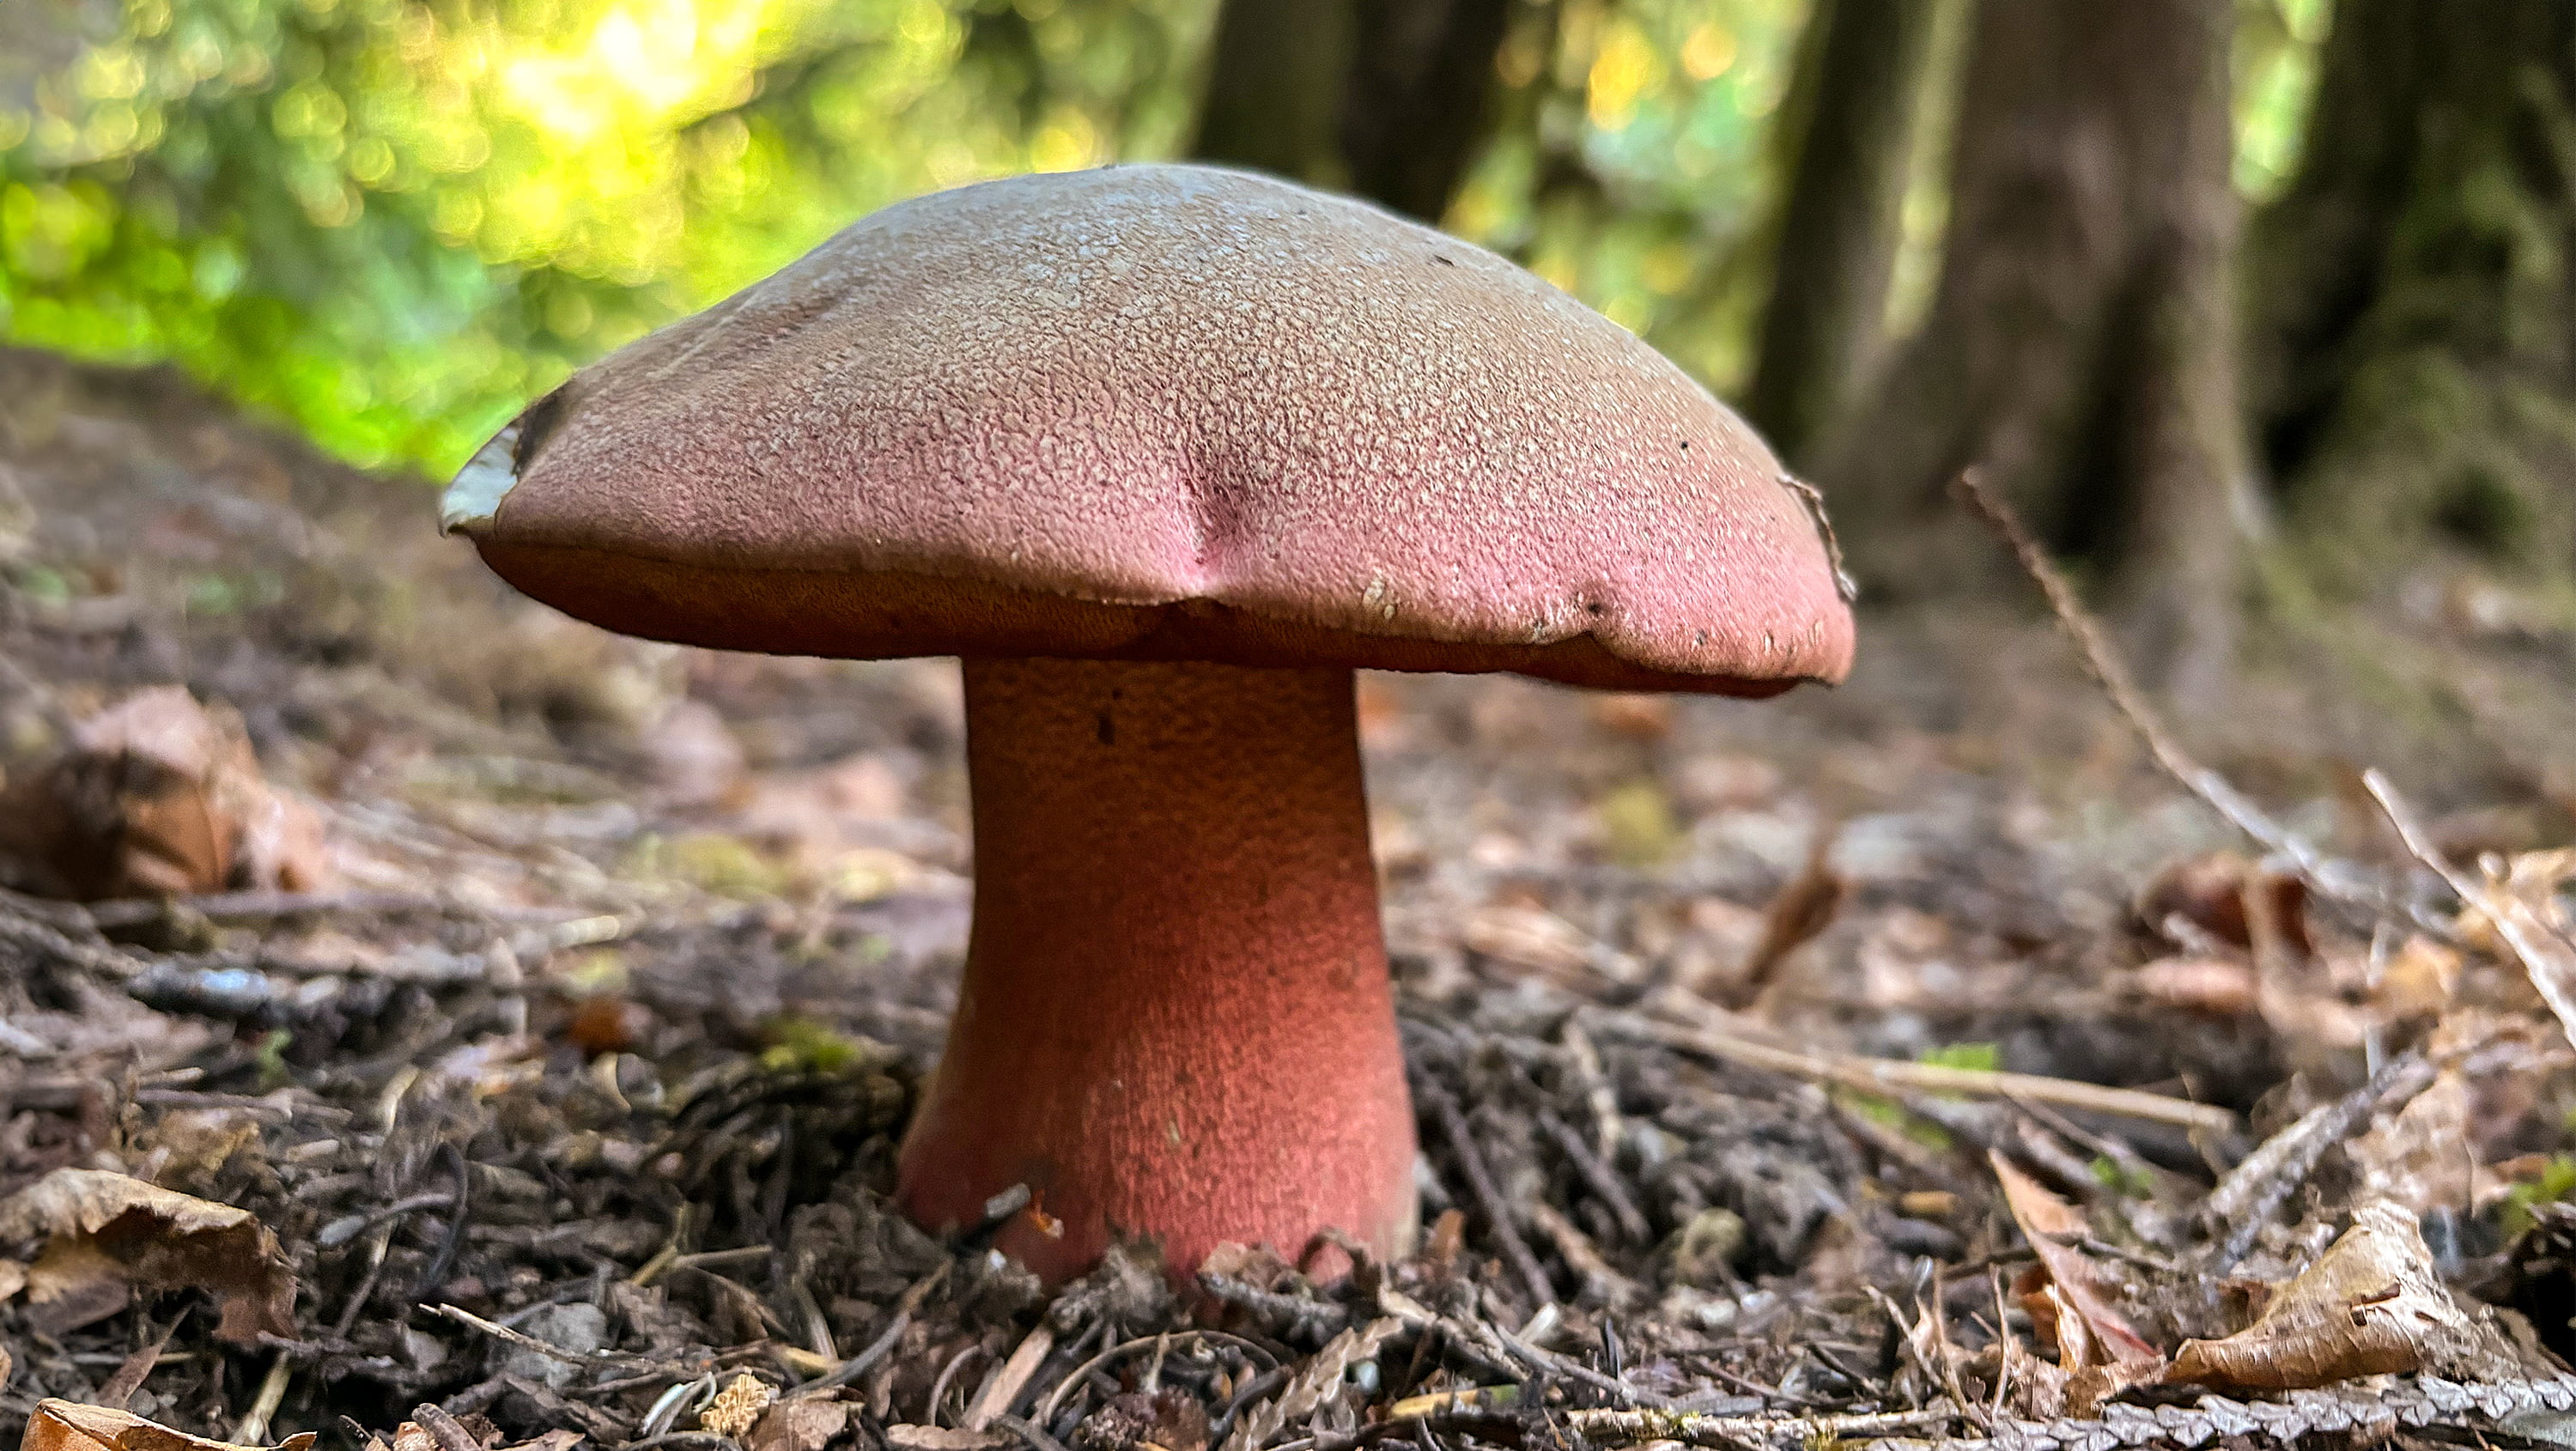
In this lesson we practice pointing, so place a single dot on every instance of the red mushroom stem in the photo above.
(1175, 1018)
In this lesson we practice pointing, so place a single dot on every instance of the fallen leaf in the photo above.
(71, 1426)
(2417, 1158)
(156, 796)
(107, 1232)
(2208, 892)
(2070, 1301)
(1797, 916)
(806, 1424)
(1320, 1377)
(2370, 1305)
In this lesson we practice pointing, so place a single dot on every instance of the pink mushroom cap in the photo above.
(1166, 413)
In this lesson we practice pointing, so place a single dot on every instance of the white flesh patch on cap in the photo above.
(475, 494)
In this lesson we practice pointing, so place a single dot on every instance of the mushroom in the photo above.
(1164, 453)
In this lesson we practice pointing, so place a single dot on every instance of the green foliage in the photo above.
(391, 222)
(1974, 1057)
(2556, 1184)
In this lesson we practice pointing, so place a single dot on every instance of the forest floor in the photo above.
(571, 993)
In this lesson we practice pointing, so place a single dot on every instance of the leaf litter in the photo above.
(550, 1096)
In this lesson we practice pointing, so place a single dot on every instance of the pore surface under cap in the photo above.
(1165, 412)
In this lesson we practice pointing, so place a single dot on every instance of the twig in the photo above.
(859, 1364)
(1082, 1372)
(590, 1358)
(28, 934)
(1596, 1176)
(1028, 1432)
(2328, 878)
(433, 1275)
(1734, 1433)
(1567, 1368)
(1480, 1181)
(1886, 1075)
(2549, 965)
(252, 1429)
(2236, 1211)
(1292, 1312)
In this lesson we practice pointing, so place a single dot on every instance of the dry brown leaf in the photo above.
(2209, 892)
(2370, 1305)
(1798, 915)
(157, 796)
(102, 1233)
(2421, 1157)
(71, 1426)
(805, 1424)
(2089, 1333)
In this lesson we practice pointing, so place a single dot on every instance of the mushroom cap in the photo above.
(1171, 413)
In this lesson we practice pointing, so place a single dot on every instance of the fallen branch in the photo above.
(1887, 1075)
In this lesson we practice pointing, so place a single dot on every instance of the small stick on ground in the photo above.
(2549, 962)
(2236, 1211)
(1598, 1178)
(2328, 878)
(1480, 1181)
(1886, 1075)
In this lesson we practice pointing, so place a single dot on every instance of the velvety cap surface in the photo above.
(1165, 412)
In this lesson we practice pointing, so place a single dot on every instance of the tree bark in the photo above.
(2412, 348)
(1840, 227)
(2080, 345)
(1383, 98)
(1274, 91)
(1421, 75)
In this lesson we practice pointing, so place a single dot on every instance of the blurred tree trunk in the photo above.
(1421, 77)
(2412, 339)
(1385, 98)
(1863, 81)
(2081, 343)
(1274, 91)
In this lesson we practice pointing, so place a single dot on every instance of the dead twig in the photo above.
(2341, 881)
(1480, 1182)
(590, 1358)
(2547, 959)
(1735, 1433)
(2236, 1211)
(1598, 1178)
(1886, 1075)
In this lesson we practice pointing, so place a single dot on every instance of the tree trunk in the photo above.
(1421, 73)
(1274, 91)
(1383, 98)
(1839, 230)
(2412, 351)
(2080, 347)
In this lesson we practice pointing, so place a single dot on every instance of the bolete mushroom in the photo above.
(1164, 453)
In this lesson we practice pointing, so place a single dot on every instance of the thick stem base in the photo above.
(1175, 1018)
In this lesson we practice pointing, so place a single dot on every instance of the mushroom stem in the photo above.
(1175, 1018)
